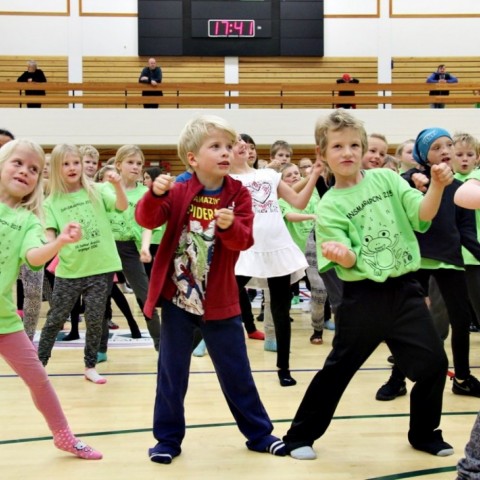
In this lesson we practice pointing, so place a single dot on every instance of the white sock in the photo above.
(303, 453)
(92, 375)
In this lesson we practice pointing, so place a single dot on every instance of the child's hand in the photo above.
(70, 234)
(318, 168)
(420, 181)
(225, 217)
(112, 177)
(145, 255)
(162, 184)
(339, 253)
(442, 174)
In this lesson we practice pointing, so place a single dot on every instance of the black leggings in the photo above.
(280, 302)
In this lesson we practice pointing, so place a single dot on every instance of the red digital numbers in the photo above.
(231, 28)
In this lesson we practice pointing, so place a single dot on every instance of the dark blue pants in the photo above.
(226, 346)
(371, 312)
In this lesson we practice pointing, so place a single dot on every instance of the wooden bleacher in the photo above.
(417, 69)
(55, 69)
(307, 70)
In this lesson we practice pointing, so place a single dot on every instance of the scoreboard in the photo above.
(230, 27)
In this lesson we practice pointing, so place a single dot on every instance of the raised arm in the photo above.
(441, 176)
(468, 194)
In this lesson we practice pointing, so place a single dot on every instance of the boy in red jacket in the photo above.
(209, 221)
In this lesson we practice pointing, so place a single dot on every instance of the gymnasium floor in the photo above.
(366, 440)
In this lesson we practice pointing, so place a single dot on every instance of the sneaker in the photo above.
(470, 387)
(270, 345)
(330, 325)
(200, 350)
(295, 300)
(101, 357)
(257, 335)
(260, 317)
(316, 338)
(391, 360)
(435, 445)
(474, 328)
(391, 390)
(126, 288)
(112, 325)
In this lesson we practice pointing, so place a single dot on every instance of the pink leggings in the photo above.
(19, 352)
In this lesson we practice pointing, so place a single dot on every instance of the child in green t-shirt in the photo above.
(87, 267)
(129, 236)
(22, 241)
(365, 230)
(300, 224)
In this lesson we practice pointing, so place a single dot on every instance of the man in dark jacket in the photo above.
(35, 75)
(152, 75)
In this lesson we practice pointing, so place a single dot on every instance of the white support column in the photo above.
(384, 44)
(232, 75)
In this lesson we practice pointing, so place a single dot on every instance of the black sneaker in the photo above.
(391, 390)
(470, 387)
(435, 445)
(391, 360)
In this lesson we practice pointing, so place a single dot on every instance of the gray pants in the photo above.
(468, 468)
(317, 287)
(66, 292)
(32, 304)
(136, 276)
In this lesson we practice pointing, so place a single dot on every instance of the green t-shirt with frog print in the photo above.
(376, 219)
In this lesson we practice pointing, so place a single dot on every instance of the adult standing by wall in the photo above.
(152, 75)
(347, 78)
(33, 74)
(441, 76)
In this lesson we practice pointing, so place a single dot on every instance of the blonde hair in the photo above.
(32, 201)
(90, 151)
(126, 151)
(340, 119)
(467, 138)
(287, 165)
(197, 130)
(401, 147)
(57, 183)
(379, 136)
(100, 174)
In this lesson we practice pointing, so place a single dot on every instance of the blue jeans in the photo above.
(226, 346)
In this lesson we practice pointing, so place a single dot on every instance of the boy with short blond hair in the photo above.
(209, 221)
(365, 230)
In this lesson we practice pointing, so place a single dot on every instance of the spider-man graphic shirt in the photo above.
(194, 253)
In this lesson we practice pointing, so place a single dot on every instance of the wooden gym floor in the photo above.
(366, 440)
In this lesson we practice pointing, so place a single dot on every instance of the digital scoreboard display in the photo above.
(230, 27)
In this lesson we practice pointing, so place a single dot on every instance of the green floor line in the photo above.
(222, 424)
(415, 473)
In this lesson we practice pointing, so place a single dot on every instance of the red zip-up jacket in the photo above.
(221, 297)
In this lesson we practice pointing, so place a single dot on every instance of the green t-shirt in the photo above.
(376, 219)
(96, 252)
(123, 224)
(157, 234)
(300, 230)
(468, 258)
(21, 231)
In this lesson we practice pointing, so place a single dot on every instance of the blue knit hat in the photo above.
(424, 142)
